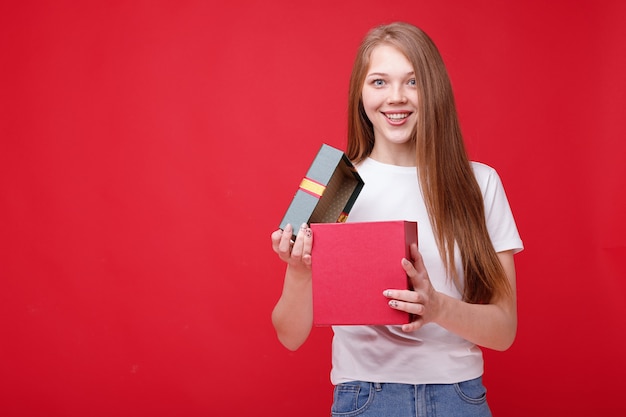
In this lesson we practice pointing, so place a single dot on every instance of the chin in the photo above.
(400, 140)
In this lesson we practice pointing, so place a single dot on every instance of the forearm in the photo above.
(292, 316)
(489, 325)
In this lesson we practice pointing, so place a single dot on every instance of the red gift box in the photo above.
(353, 263)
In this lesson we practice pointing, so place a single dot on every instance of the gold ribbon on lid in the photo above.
(312, 187)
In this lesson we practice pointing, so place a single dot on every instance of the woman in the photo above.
(405, 140)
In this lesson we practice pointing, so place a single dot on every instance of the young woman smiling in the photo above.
(405, 140)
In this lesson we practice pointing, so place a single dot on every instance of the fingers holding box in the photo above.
(296, 253)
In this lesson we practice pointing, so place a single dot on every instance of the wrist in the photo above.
(299, 273)
(442, 307)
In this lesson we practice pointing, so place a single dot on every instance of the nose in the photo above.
(397, 95)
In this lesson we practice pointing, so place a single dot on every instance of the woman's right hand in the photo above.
(292, 316)
(296, 254)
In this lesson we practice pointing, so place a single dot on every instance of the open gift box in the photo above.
(327, 192)
(353, 263)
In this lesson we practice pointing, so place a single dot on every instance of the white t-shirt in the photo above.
(431, 354)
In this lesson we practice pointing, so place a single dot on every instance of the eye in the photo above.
(378, 82)
(412, 82)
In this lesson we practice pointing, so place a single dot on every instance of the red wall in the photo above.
(148, 150)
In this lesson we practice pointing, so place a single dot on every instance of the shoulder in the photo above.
(489, 182)
(482, 170)
(486, 176)
(498, 214)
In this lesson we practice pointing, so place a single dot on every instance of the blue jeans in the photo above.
(371, 399)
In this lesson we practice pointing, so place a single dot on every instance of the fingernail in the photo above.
(309, 233)
(288, 228)
(387, 293)
(393, 303)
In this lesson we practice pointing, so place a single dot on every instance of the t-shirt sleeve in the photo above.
(500, 222)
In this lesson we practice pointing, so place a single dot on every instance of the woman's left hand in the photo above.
(422, 302)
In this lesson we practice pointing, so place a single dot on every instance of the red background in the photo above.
(149, 148)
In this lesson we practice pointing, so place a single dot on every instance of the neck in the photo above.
(397, 154)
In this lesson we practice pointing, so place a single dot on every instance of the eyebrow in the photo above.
(383, 74)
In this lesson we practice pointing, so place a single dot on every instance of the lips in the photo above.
(397, 117)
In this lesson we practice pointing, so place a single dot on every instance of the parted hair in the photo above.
(451, 192)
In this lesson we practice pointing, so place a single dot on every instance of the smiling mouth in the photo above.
(396, 116)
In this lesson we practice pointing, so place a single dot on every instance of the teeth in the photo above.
(397, 116)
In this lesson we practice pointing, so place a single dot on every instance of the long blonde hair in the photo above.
(452, 195)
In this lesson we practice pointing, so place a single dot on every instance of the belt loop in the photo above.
(378, 386)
